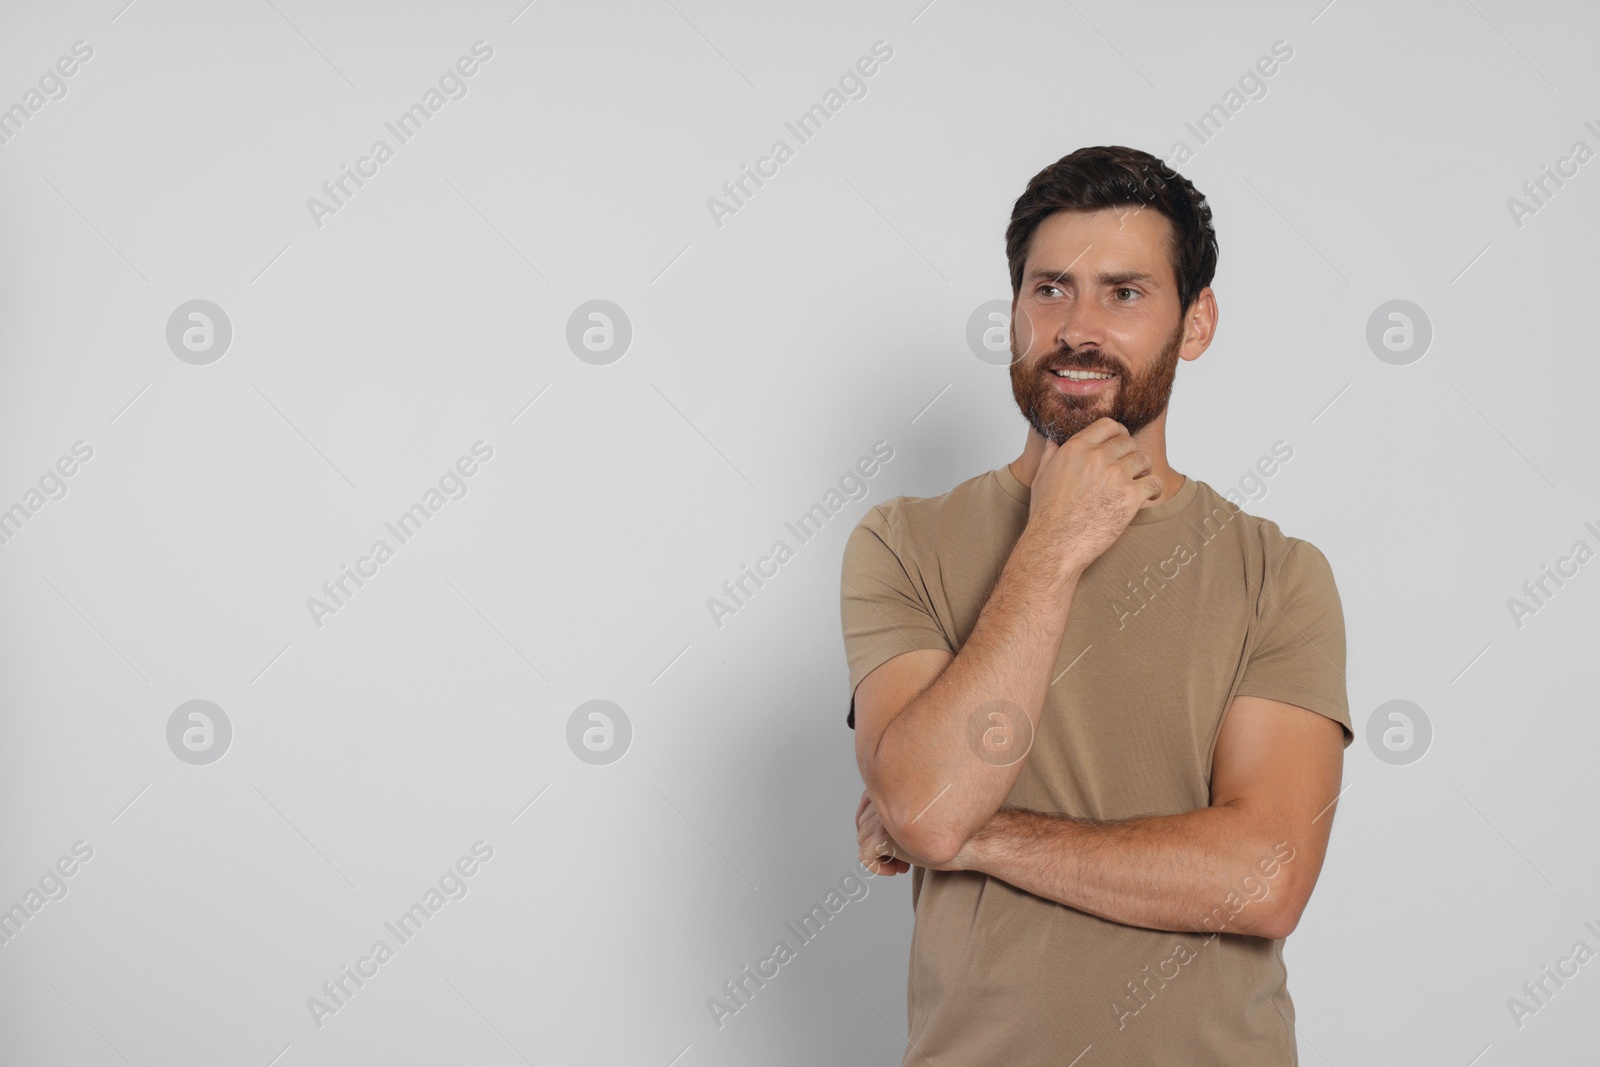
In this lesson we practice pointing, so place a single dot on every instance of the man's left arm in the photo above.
(1248, 862)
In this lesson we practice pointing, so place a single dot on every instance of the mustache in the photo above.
(1085, 361)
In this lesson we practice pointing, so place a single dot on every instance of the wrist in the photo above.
(1056, 556)
(974, 855)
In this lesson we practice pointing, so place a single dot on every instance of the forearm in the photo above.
(1210, 870)
(950, 759)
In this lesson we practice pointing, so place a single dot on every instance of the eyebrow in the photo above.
(1119, 277)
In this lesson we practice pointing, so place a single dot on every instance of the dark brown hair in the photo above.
(1110, 176)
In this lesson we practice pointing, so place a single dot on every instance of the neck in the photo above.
(1152, 441)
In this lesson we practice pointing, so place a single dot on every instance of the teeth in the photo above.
(1081, 375)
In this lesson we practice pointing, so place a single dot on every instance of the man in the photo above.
(1100, 711)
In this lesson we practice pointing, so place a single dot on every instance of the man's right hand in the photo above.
(1087, 491)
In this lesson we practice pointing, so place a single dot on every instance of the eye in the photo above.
(1127, 289)
(1040, 290)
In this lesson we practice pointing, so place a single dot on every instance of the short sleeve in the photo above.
(880, 609)
(1300, 655)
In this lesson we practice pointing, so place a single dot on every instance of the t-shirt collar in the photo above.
(1165, 510)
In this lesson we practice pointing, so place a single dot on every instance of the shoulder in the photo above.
(1280, 553)
(913, 519)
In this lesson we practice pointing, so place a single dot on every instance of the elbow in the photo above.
(927, 842)
(910, 821)
(937, 849)
(1279, 922)
(1276, 928)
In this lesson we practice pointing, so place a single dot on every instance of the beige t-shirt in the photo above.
(1196, 603)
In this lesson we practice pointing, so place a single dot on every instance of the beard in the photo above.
(1136, 399)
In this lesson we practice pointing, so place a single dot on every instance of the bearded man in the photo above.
(1100, 711)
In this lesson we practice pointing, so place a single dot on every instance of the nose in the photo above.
(1080, 326)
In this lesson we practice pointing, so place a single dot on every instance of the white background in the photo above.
(768, 354)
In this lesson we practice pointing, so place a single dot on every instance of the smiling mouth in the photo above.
(1069, 381)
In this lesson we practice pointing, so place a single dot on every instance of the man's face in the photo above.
(1098, 295)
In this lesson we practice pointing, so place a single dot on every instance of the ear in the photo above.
(1199, 325)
